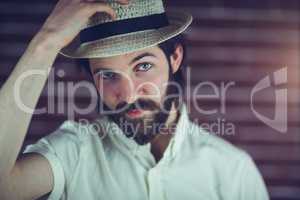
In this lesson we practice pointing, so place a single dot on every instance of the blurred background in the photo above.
(234, 43)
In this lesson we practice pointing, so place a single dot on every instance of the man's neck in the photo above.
(160, 143)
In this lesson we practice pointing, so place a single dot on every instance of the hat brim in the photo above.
(126, 43)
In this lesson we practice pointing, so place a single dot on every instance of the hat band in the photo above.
(123, 26)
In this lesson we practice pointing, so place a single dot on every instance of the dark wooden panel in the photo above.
(284, 192)
(239, 41)
(287, 172)
(273, 152)
(253, 4)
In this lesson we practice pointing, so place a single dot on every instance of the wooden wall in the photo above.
(229, 41)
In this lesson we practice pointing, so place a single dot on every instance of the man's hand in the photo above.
(69, 17)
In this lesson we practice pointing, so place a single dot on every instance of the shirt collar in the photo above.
(180, 133)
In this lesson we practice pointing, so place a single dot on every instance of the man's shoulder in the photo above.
(69, 129)
(231, 168)
(214, 145)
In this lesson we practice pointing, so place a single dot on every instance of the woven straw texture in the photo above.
(126, 43)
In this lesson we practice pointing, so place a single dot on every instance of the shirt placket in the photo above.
(155, 175)
(155, 185)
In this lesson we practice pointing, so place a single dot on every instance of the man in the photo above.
(146, 147)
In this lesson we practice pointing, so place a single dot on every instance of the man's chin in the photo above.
(141, 129)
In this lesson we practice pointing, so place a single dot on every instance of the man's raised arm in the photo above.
(31, 176)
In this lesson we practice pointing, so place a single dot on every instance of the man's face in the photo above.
(134, 91)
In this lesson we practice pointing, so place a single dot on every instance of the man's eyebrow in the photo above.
(141, 56)
(99, 69)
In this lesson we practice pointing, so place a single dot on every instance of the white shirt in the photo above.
(195, 166)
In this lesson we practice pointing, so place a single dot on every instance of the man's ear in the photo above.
(176, 58)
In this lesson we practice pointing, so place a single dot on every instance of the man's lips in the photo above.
(134, 113)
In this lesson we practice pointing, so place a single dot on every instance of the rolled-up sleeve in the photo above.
(61, 149)
(44, 148)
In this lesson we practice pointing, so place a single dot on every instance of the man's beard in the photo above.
(146, 128)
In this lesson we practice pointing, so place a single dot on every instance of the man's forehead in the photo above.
(125, 58)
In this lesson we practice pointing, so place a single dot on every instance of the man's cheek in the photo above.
(155, 88)
(108, 99)
(162, 83)
(108, 93)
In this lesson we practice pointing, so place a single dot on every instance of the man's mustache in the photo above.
(143, 104)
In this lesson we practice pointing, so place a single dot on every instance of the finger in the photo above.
(123, 1)
(102, 7)
(105, 1)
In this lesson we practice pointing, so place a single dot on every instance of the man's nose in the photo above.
(127, 91)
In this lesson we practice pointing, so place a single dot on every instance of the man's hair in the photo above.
(168, 47)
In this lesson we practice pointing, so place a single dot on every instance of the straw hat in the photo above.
(139, 25)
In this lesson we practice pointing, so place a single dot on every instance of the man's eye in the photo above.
(108, 75)
(144, 66)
